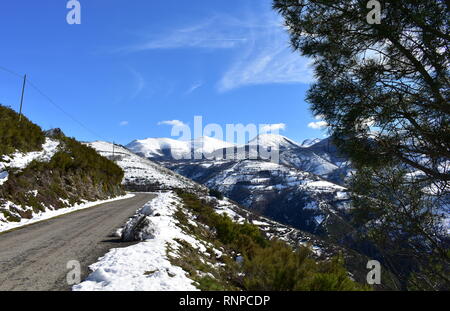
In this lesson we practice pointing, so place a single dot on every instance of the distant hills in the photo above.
(305, 189)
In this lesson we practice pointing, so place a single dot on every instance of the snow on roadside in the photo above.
(145, 266)
(21, 160)
(5, 226)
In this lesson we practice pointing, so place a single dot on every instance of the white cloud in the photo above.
(139, 84)
(318, 125)
(257, 39)
(267, 59)
(273, 127)
(265, 66)
(210, 34)
(123, 123)
(319, 117)
(172, 123)
(195, 86)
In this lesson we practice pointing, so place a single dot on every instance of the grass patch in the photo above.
(9, 216)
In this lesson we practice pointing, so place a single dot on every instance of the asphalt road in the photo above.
(35, 257)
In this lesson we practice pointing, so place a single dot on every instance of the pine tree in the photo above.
(383, 88)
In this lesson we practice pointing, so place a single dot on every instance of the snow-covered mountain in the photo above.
(309, 142)
(207, 144)
(159, 147)
(319, 157)
(261, 186)
(273, 141)
(284, 193)
(303, 189)
(171, 149)
(297, 155)
(166, 225)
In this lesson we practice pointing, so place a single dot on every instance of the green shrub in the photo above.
(10, 217)
(23, 136)
(268, 264)
(216, 193)
(228, 232)
(85, 160)
(277, 267)
(208, 283)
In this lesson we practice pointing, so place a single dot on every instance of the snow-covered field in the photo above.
(145, 266)
(5, 226)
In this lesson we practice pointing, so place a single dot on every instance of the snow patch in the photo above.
(21, 160)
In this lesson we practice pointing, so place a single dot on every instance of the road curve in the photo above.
(35, 257)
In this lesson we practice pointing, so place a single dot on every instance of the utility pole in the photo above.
(21, 99)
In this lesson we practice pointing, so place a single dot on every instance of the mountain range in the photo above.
(288, 204)
(305, 189)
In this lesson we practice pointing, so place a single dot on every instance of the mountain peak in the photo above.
(273, 140)
(151, 147)
(309, 142)
(209, 144)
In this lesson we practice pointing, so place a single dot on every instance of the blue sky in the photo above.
(131, 65)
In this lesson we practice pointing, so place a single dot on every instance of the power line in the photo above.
(11, 72)
(34, 86)
(63, 111)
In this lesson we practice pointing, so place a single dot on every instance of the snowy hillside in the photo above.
(293, 154)
(44, 174)
(141, 173)
(273, 141)
(309, 142)
(128, 269)
(178, 250)
(284, 193)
